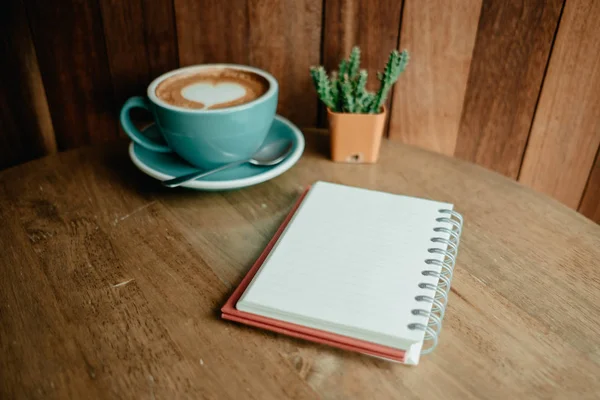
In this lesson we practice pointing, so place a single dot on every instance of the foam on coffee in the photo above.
(212, 89)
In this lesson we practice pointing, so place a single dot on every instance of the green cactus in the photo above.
(335, 90)
(322, 84)
(343, 68)
(348, 100)
(368, 102)
(354, 63)
(396, 64)
(345, 91)
(360, 92)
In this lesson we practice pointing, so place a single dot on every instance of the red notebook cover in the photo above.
(343, 342)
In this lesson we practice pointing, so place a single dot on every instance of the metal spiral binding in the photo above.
(439, 299)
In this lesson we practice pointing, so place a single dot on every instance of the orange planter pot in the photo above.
(355, 138)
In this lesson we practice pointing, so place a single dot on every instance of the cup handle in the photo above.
(132, 131)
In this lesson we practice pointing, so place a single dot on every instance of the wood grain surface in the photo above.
(428, 100)
(126, 49)
(71, 51)
(111, 286)
(281, 37)
(564, 139)
(204, 31)
(26, 130)
(160, 36)
(141, 45)
(590, 203)
(510, 56)
(471, 89)
(373, 25)
(285, 39)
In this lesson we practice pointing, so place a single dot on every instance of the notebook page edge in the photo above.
(319, 324)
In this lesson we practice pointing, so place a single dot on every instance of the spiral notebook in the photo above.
(356, 269)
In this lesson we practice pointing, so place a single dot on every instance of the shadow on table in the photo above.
(122, 170)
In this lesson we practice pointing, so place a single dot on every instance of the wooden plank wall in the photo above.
(428, 101)
(26, 129)
(511, 53)
(565, 135)
(511, 85)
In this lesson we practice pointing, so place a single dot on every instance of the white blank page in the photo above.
(350, 262)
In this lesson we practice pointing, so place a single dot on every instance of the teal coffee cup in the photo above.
(207, 137)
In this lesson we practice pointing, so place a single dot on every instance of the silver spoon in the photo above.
(268, 155)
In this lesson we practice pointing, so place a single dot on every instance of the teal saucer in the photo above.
(163, 166)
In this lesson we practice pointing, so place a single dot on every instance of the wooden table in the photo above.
(111, 287)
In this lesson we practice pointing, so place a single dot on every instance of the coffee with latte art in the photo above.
(212, 89)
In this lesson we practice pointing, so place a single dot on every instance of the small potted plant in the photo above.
(356, 116)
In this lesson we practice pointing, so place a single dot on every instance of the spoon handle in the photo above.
(198, 174)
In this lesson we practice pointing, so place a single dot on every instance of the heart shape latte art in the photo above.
(210, 95)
